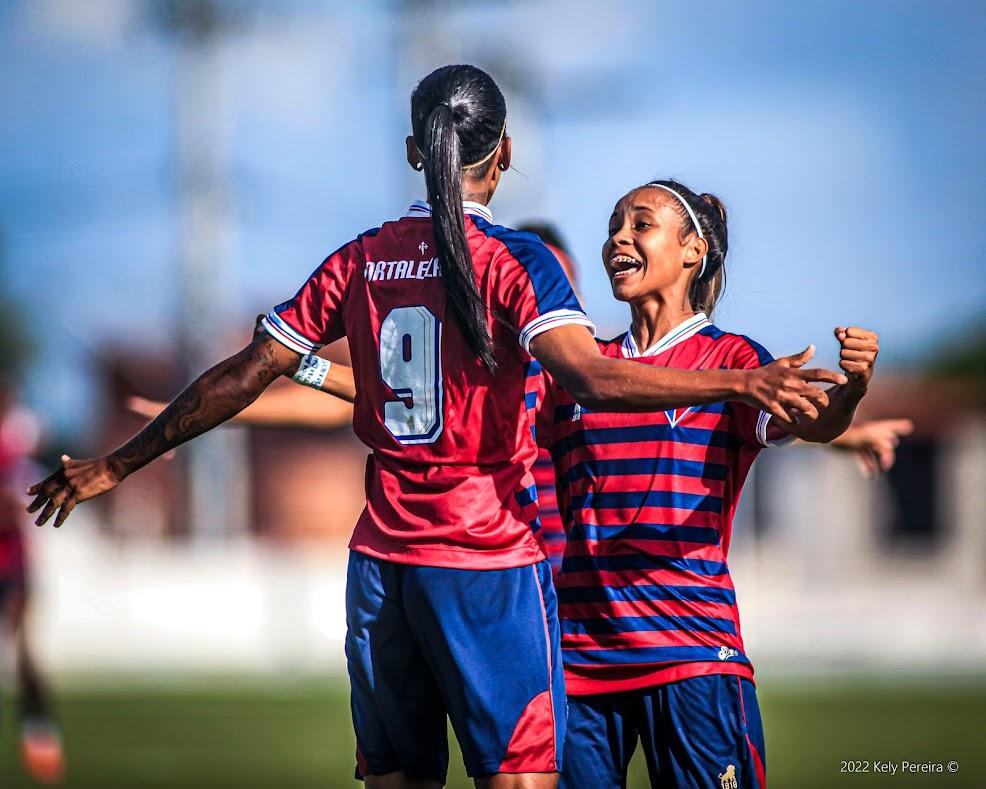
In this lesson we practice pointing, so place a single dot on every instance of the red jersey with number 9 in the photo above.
(449, 481)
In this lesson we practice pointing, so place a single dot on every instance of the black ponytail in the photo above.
(457, 116)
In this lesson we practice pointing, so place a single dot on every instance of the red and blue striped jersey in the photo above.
(551, 531)
(552, 526)
(648, 500)
(448, 482)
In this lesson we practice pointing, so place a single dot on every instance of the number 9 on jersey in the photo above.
(411, 365)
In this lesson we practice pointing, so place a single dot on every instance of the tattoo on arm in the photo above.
(218, 394)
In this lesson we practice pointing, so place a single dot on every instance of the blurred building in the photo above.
(302, 484)
(837, 571)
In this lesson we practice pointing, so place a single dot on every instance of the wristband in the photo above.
(312, 371)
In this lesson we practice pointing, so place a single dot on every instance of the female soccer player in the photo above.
(650, 631)
(450, 607)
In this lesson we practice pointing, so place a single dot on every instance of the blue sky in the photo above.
(846, 139)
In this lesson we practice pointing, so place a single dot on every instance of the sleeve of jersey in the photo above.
(534, 290)
(313, 318)
(755, 426)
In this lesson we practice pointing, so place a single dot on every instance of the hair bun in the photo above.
(716, 203)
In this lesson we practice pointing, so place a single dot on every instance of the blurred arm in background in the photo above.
(287, 405)
(874, 443)
(218, 394)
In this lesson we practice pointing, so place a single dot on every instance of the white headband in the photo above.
(691, 214)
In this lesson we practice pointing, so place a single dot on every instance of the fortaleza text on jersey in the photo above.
(402, 269)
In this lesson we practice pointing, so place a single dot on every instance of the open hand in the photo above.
(783, 387)
(75, 481)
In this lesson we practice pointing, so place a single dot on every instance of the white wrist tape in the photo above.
(312, 371)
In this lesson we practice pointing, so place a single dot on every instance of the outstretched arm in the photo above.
(214, 397)
(604, 384)
(857, 356)
(282, 405)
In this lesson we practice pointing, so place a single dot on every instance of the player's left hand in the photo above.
(75, 481)
(857, 354)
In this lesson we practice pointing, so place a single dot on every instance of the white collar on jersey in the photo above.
(421, 208)
(679, 333)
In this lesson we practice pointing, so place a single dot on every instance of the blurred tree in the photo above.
(962, 357)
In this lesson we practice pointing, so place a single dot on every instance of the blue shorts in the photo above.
(700, 732)
(479, 646)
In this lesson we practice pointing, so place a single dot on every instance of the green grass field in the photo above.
(221, 733)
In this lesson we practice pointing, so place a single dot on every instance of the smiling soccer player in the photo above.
(650, 629)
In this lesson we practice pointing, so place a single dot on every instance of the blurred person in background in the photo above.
(450, 607)
(40, 741)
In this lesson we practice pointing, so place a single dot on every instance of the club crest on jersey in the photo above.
(727, 780)
(402, 269)
(676, 415)
(726, 652)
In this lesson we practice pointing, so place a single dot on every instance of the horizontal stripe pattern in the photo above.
(648, 501)
(646, 592)
(633, 624)
(626, 436)
(647, 498)
(642, 466)
(634, 561)
(637, 655)
(643, 531)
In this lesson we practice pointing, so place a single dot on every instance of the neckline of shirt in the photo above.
(421, 208)
(680, 333)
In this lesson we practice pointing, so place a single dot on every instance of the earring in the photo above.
(419, 166)
(502, 167)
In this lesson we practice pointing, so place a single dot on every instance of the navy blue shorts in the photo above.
(704, 732)
(479, 646)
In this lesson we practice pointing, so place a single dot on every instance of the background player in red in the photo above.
(449, 601)
(40, 746)
(650, 630)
